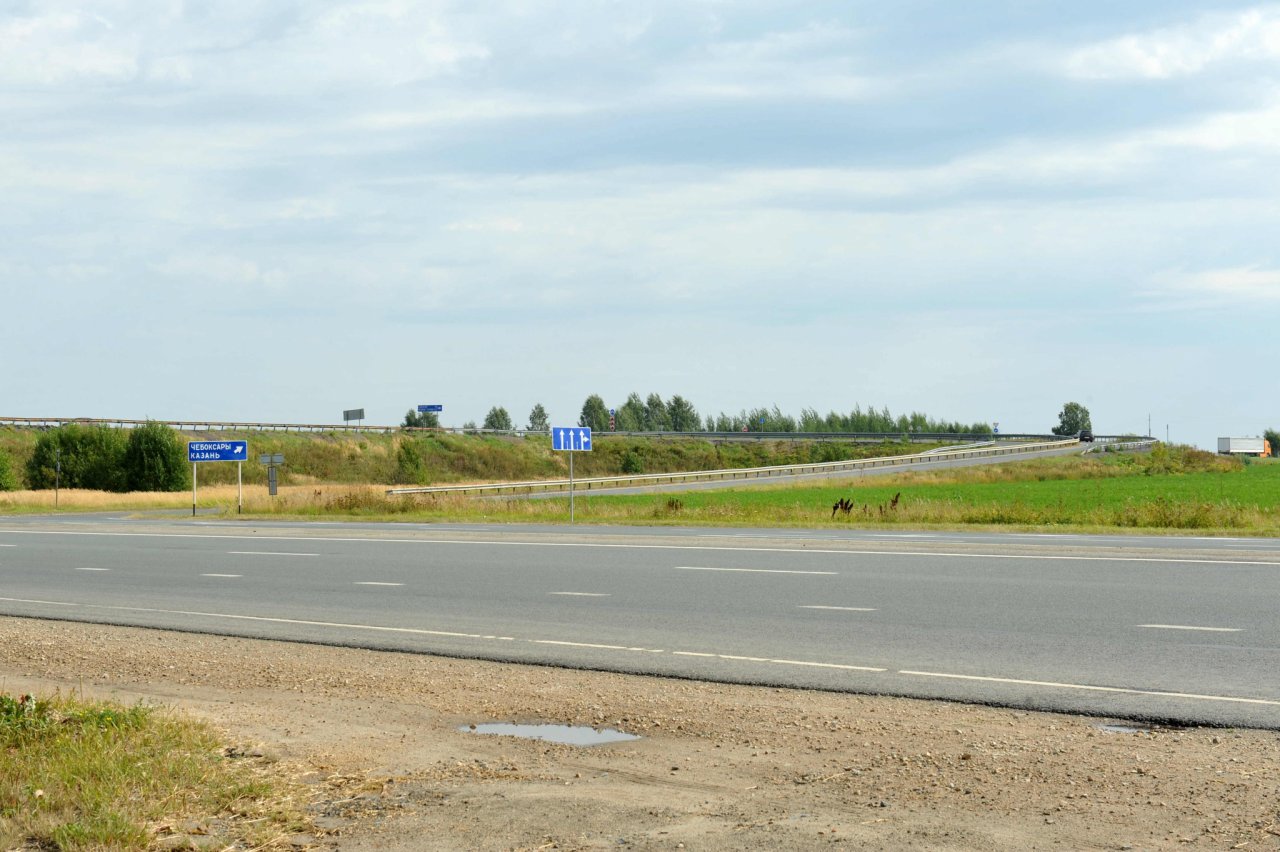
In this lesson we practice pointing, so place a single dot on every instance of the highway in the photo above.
(1163, 629)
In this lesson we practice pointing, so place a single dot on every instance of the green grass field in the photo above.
(1168, 489)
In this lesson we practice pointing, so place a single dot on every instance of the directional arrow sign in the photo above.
(571, 439)
(208, 451)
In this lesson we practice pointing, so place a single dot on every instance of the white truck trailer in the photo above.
(1242, 446)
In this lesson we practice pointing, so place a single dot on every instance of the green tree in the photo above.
(8, 478)
(595, 416)
(631, 415)
(656, 418)
(1073, 418)
(91, 457)
(538, 419)
(684, 417)
(499, 419)
(421, 419)
(154, 460)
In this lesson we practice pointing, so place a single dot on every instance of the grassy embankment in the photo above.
(1169, 489)
(78, 775)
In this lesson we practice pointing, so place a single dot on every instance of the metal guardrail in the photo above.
(654, 479)
(247, 426)
(1102, 446)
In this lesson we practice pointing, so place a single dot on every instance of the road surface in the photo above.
(1170, 629)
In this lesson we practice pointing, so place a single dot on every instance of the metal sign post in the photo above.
(571, 439)
(272, 461)
(211, 451)
(353, 414)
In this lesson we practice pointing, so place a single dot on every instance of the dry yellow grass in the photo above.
(256, 498)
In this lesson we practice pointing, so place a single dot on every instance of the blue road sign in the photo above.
(436, 408)
(206, 451)
(571, 438)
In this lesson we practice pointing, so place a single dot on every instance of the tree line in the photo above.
(678, 414)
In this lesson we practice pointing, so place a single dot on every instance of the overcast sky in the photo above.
(277, 211)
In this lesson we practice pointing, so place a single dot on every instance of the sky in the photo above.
(278, 211)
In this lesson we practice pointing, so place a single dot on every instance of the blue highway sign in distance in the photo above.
(571, 438)
(435, 408)
(206, 451)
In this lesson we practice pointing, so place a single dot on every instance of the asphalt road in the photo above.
(1180, 630)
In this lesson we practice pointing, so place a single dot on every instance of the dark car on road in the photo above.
(1086, 435)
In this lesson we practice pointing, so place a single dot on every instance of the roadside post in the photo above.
(213, 451)
(571, 439)
(272, 461)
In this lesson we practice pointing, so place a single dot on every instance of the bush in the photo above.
(91, 457)
(8, 479)
(154, 460)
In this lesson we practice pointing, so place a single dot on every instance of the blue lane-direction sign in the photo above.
(436, 408)
(571, 438)
(207, 451)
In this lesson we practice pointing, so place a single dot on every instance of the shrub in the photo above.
(154, 460)
(632, 462)
(91, 457)
(8, 479)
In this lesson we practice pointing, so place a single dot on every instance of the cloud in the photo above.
(1234, 286)
(1252, 35)
(65, 47)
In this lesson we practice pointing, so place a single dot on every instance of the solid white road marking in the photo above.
(811, 664)
(373, 583)
(266, 553)
(1086, 687)
(93, 569)
(756, 570)
(842, 608)
(581, 594)
(221, 575)
(1188, 627)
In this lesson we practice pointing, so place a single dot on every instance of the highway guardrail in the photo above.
(658, 479)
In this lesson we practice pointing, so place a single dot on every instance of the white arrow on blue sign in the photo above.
(206, 451)
(571, 438)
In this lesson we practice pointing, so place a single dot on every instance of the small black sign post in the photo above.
(272, 461)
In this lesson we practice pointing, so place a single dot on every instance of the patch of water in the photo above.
(579, 735)
(1124, 729)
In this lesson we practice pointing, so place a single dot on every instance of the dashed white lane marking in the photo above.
(1189, 627)
(631, 546)
(1086, 687)
(8, 545)
(841, 608)
(375, 583)
(93, 569)
(581, 594)
(757, 570)
(455, 635)
(267, 553)
(221, 575)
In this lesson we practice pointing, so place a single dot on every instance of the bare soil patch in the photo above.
(375, 739)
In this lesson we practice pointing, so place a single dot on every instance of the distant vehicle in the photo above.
(1086, 434)
(1244, 447)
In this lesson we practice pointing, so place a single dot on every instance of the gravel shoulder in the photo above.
(380, 743)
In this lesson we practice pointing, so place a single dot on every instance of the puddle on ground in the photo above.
(1124, 729)
(579, 735)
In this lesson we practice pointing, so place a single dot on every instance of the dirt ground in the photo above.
(382, 742)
